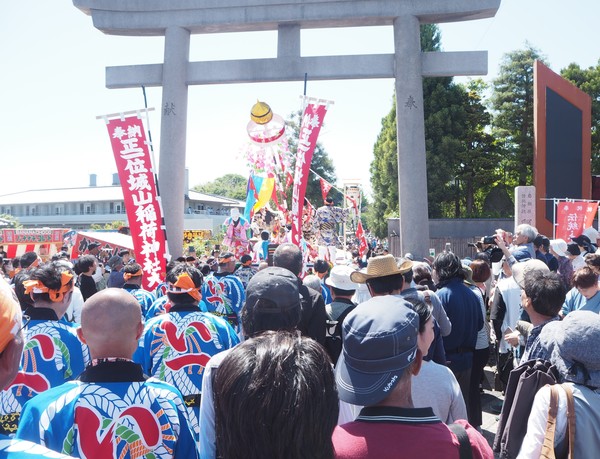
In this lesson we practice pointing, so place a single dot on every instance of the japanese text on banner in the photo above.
(139, 191)
(312, 121)
(573, 217)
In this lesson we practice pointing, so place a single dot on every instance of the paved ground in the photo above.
(490, 399)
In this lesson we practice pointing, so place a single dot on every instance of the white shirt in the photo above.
(436, 386)
(536, 425)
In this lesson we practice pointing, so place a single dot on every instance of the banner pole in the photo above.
(163, 225)
(556, 201)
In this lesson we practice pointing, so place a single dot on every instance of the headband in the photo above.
(10, 315)
(185, 284)
(36, 286)
(128, 276)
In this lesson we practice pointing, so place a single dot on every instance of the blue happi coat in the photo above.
(52, 355)
(105, 416)
(175, 347)
(224, 296)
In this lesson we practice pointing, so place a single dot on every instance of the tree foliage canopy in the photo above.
(11, 221)
(588, 80)
(461, 155)
(512, 102)
(229, 185)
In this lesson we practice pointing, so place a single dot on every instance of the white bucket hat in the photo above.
(339, 277)
(559, 246)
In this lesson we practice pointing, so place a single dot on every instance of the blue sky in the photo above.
(52, 87)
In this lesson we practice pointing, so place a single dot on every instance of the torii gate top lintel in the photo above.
(129, 17)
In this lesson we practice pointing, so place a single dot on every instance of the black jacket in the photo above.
(314, 317)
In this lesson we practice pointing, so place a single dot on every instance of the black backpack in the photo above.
(523, 383)
(333, 335)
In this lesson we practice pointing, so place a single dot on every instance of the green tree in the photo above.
(512, 102)
(588, 80)
(321, 164)
(461, 155)
(229, 185)
(384, 176)
(445, 124)
(384, 167)
(478, 158)
(107, 226)
(11, 221)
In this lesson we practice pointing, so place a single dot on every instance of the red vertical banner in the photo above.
(590, 214)
(130, 148)
(312, 120)
(362, 240)
(573, 217)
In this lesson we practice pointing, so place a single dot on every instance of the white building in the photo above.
(79, 208)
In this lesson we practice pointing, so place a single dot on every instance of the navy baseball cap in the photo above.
(379, 343)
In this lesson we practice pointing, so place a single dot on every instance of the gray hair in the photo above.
(288, 256)
(313, 282)
(527, 230)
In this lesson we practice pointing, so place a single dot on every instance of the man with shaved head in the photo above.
(112, 409)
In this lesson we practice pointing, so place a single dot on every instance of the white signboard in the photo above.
(525, 205)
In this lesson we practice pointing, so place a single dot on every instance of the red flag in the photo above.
(354, 205)
(130, 148)
(289, 179)
(276, 200)
(362, 240)
(310, 207)
(312, 121)
(573, 217)
(325, 187)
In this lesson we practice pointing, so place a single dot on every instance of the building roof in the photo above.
(227, 202)
(96, 194)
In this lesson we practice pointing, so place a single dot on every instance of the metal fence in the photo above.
(456, 232)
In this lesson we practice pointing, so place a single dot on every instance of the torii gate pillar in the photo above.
(410, 125)
(173, 131)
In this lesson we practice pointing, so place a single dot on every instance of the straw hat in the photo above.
(381, 266)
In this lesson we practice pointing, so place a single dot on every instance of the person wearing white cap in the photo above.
(558, 248)
(342, 290)
(593, 234)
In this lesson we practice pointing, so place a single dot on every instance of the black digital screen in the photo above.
(564, 150)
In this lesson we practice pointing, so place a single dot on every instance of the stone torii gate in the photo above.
(178, 19)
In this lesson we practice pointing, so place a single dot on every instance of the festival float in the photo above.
(267, 156)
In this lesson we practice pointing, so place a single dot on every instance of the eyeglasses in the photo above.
(25, 321)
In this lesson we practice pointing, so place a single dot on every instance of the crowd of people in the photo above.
(232, 358)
